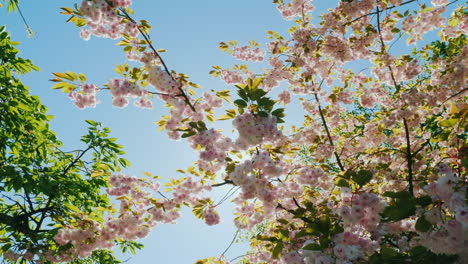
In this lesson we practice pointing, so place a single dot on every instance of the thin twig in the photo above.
(155, 93)
(147, 38)
(376, 12)
(384, 50)
(454, 95)
(228, 194)
(28, 28)
(230, 244)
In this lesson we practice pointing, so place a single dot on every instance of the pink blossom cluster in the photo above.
(296, 8)
(353, 239)
(337, 47)
(247, 53)
(187, 191)
(39, 257)
(314, 178)
(447, 238)
(270, 168)
(161, 80)
(347, 253)
(211, 216)
(443, 188)
(231, 77)
(416, 26)
(284, 97)
(439, 2)
(356, 9)
(253, 177)
(134, 219)
(276, 75)
(215, 146)
(254, 129)
(181, 115)
(123, 89)
(361, 209)
(292, 258)
(103, 21)
(86, 97)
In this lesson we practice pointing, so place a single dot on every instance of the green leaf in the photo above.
(91, 122)
(464, 162)
(399, 210)
(257, 94)
(422, 225)
(402, 194)
(263, 114)
(188, 134)
(417, 251)
(243, 94)
(341, 182)
(80, 22)
(240, 103)
(423, 200)
(278, 112)
(266, 103)
(276, 252)
(312, 246)
(388, 252)
(362, 177)
(449, 122)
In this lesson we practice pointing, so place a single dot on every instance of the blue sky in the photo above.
(190, 31)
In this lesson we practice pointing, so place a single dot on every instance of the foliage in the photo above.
(42, 187)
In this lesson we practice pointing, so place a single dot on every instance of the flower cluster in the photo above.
(254, 129)
(247, 53)
(297, 8)
(86, 97)
(123, 89)
(103, 21)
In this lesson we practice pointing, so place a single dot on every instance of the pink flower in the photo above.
(211, 216)
(285, 97)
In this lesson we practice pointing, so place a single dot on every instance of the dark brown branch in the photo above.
(377, 12)
(147, 38)
(303, 218)
(409, 157)
(297, 203)
(426, 143)
(330, 139)
(384, 50)
(223, 183)
(155, 93)
(73, 163)
(454, 95)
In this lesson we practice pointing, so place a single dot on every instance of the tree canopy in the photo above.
(376, 172)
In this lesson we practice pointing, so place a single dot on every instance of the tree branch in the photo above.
(409, 158)
(147, 38)
(377, 12)
(223, 183)
(230, 244)
(330, 139)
